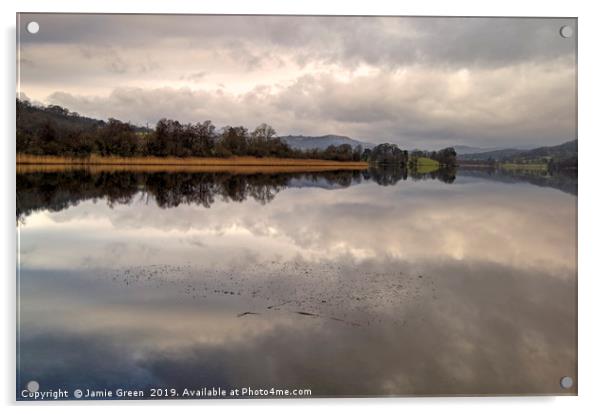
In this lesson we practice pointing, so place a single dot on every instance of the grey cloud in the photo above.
(430, 81)
(389, 41)
(423, 106)
(116, 60)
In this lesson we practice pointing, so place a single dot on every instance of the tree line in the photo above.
(392, 154)
(54, 130)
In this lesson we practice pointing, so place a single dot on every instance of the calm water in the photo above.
(346, 283)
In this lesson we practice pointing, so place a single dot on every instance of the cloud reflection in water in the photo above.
(416, 288)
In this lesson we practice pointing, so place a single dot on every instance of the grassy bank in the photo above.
(31, 163)
(426, 165)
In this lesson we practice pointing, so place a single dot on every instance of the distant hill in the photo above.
(303, 142)
(466, 149)
(558, 152)
(565, 151)
(497, 155)
(31, 118)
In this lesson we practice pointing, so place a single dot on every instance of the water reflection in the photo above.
(563, 180)
(348, 283)
(59, 190)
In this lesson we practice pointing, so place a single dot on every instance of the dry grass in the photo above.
(243, 165)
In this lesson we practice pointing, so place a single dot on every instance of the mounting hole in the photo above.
(566, 31)
(33, 27)
(566, 383)
(33, 386)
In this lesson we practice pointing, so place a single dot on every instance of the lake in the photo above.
(345, 283)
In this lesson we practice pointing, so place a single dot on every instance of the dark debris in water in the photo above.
(240, 315)
(325, 291)
(306, 313)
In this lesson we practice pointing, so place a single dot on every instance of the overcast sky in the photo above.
(417, 82)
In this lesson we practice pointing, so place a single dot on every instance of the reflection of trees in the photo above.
(116, 188)
(386, 174)
(56, 191)
(391, 174)
(446, 174)
(59, 190)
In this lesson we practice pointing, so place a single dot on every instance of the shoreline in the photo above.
(247, 165)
